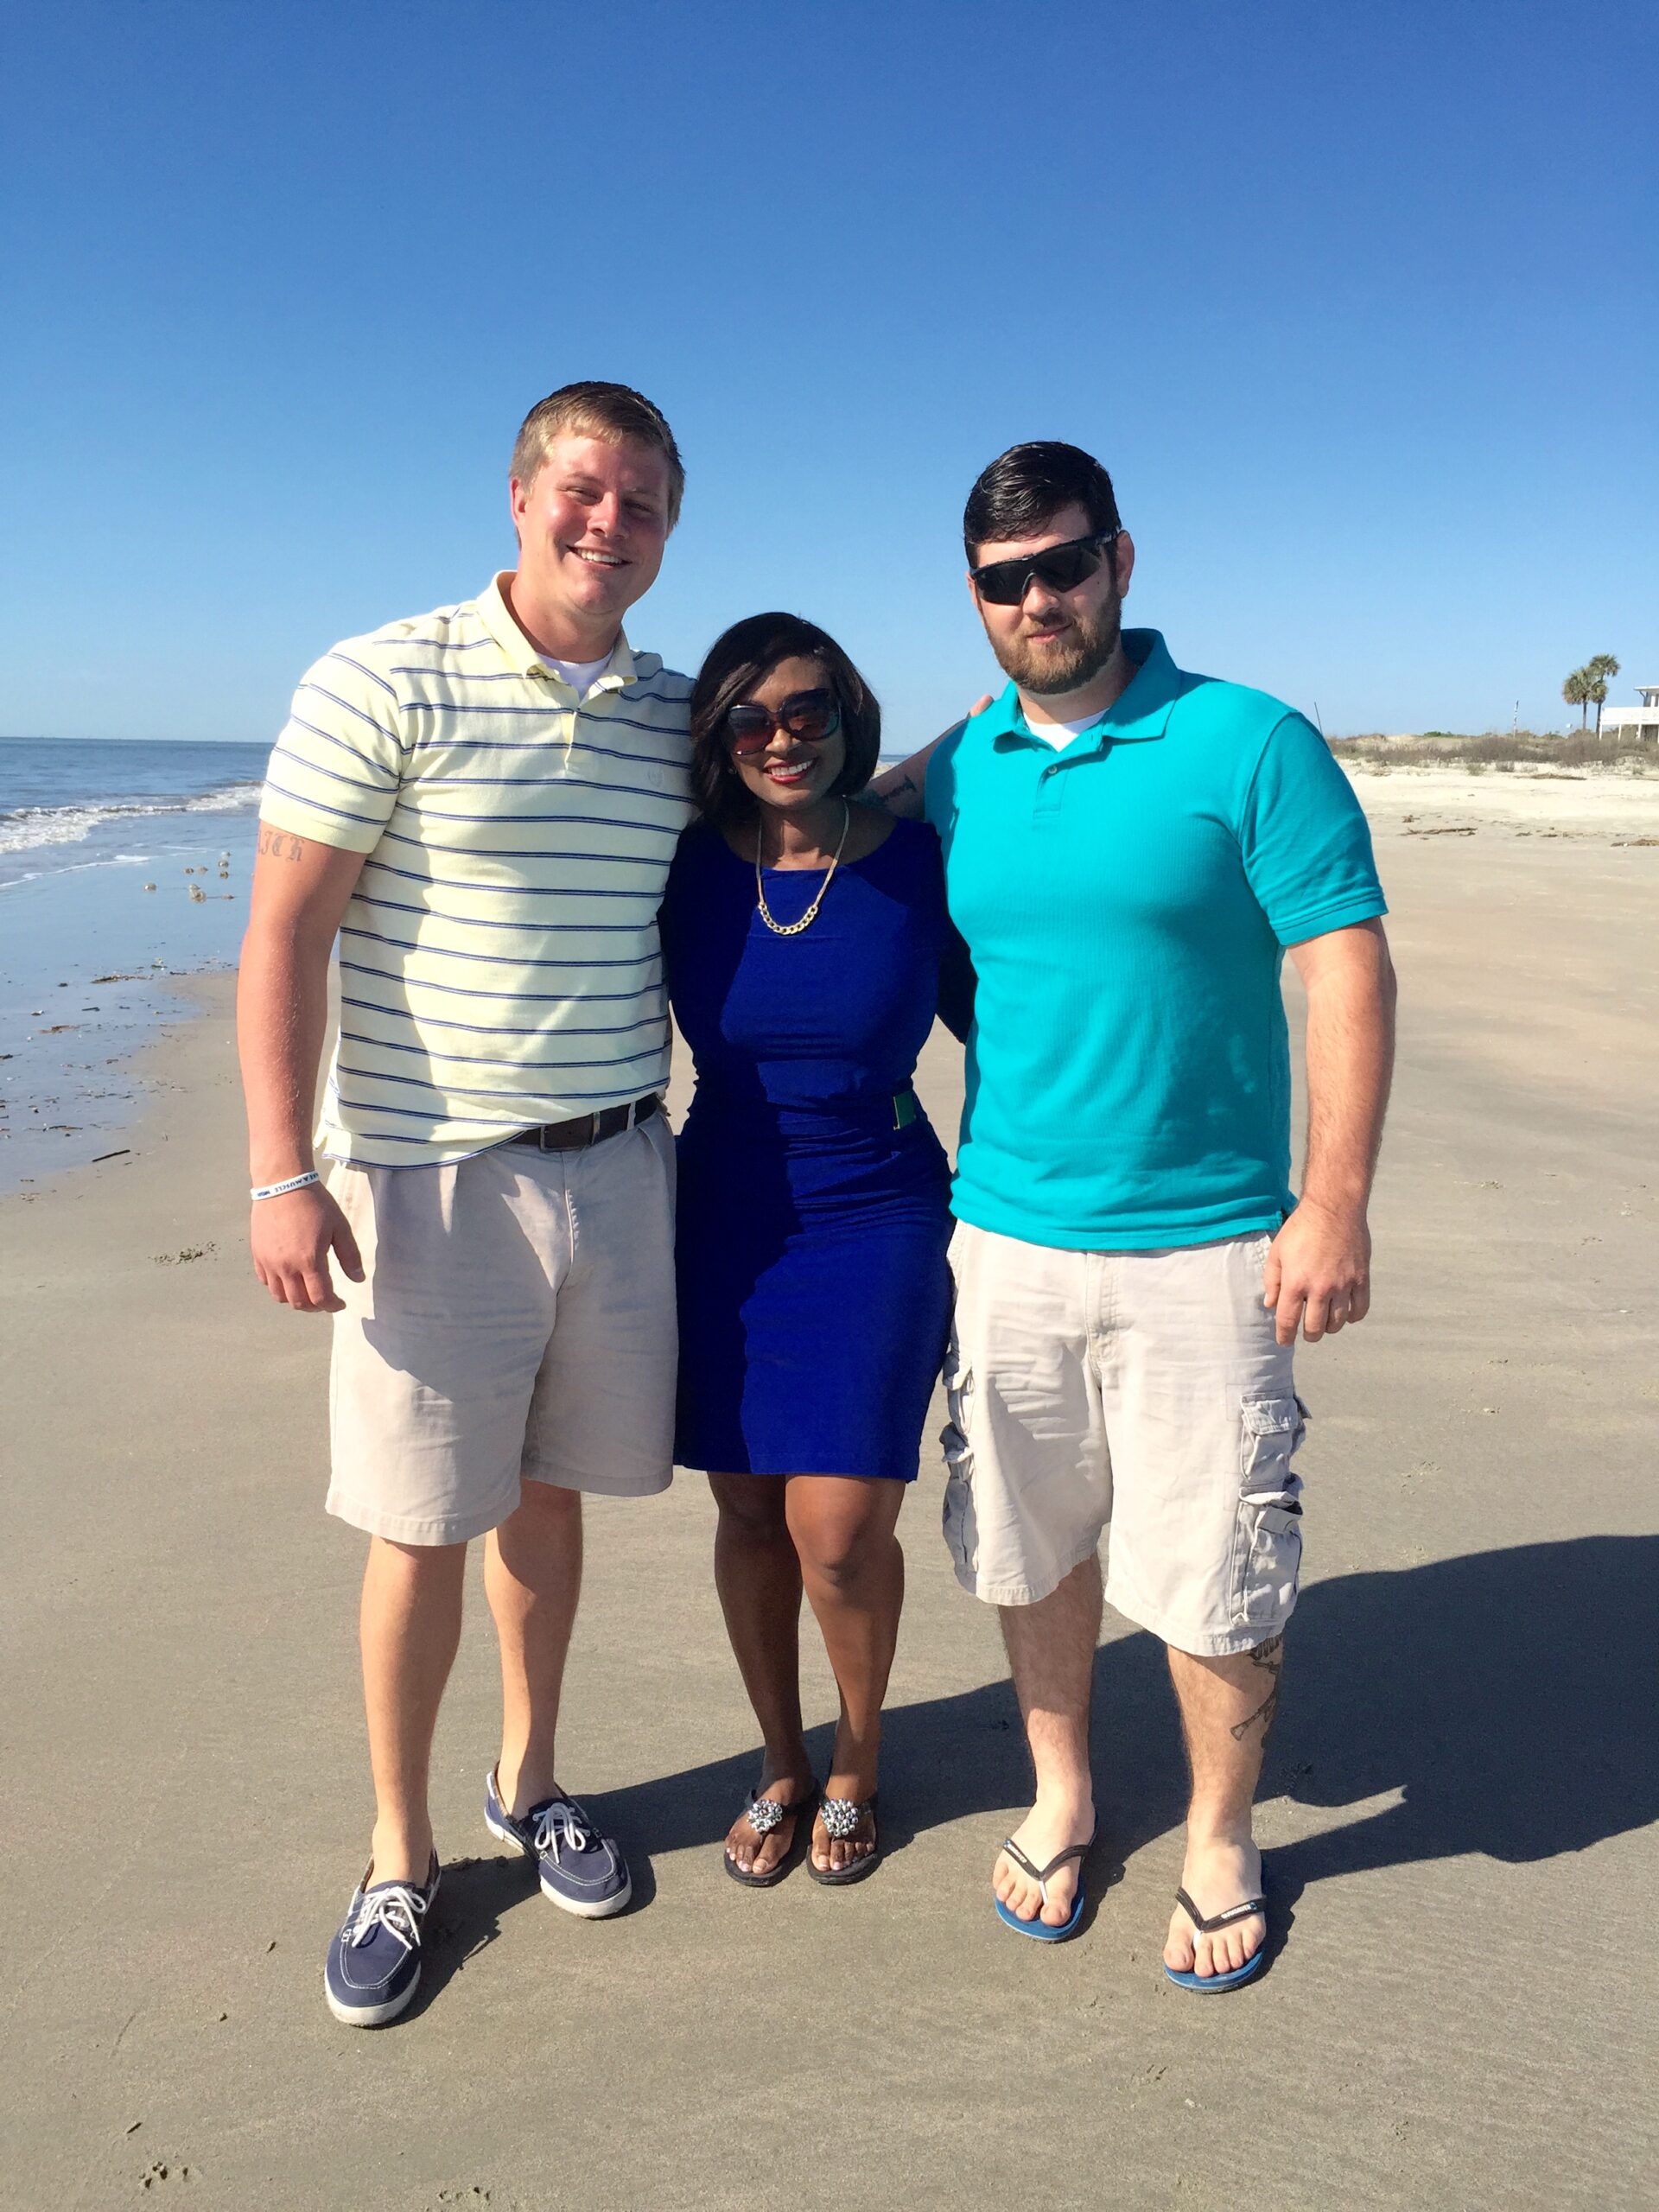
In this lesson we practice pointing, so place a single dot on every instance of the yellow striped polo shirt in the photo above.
(499, 963)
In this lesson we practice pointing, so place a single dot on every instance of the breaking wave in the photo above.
(27, 828)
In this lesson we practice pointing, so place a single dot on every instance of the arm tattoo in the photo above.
(1270, 1657)
(280, 844)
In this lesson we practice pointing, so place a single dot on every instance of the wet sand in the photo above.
(1459, 1803)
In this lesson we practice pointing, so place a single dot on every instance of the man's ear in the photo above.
(1123, 557)
(517, 501)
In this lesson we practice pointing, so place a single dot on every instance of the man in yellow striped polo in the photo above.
(481, 803)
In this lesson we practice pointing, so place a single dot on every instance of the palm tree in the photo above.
(1576, 692)
(1598, 668)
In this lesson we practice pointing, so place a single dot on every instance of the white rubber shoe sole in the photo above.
(604, 1909)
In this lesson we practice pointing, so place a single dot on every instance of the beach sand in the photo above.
(1458, 1803)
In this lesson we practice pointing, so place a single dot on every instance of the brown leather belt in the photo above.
(590, 1129)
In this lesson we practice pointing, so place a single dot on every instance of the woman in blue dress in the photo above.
(802, 930)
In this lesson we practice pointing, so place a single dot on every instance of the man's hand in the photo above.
(292, 1237)
(1318, 1272)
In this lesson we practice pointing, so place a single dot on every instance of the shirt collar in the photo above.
(1140, 709)
(516, 650)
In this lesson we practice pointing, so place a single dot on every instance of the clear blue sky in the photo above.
(1359, 305)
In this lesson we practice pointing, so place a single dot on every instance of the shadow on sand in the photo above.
(1507, 1694)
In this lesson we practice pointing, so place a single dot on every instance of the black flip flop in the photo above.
(776, 1873)
(855, 1870)
(1213, 1984)
(1038, 1929)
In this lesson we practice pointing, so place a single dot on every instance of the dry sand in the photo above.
(1459, 1800)
(1607, 805)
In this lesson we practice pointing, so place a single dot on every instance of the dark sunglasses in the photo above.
(809, 716)
(1062, 567)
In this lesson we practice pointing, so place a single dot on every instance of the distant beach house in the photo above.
(1641, 724)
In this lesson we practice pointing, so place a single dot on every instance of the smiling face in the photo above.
(1056, 642)
(793, 774)
(592, 524)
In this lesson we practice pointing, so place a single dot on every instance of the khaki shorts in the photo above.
(517, 1321)
(1142, 1389)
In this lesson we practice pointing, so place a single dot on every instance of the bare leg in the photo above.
(532, 1578)
(1051, 1650)
(409, 1628)
(759, 1579)
(854, 1570)
(1227, 1707)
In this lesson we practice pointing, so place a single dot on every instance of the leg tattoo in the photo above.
(1270, 1657)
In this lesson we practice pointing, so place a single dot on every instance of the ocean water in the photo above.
(122, 867)
(71, 806)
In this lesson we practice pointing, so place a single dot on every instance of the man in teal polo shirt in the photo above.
(1129, 851)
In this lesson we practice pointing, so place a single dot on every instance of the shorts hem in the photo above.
(650, 1485)
(706, 1466)
(1228, 1642)
(410, 1528)
(1018, 1593)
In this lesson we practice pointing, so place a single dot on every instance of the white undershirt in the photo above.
(579, 675)
(1060, 734)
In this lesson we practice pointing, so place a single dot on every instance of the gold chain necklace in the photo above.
(794, 929)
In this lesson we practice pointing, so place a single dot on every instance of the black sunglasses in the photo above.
(1062, 567)
(809, 716)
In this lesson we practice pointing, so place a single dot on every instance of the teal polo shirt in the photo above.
(1127, 902)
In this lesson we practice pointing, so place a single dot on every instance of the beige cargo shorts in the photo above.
(1142, 1389)
(516, 1323)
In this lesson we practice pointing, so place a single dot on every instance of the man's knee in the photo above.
(549, 1503)
(391, 1561)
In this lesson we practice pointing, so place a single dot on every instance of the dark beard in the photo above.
(1050, 671)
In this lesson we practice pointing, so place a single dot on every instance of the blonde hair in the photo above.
(610, 411)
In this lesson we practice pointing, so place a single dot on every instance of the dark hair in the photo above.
(1027, 485)
(610, 411)
(742, 657)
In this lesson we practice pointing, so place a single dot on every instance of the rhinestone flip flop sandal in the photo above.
(842, 1818)
(765, 1815)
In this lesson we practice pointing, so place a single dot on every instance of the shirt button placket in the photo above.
(1051, 786)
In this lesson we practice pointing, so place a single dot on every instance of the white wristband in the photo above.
(294, 1183)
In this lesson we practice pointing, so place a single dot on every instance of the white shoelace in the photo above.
(561, 1819)
(383, 1908)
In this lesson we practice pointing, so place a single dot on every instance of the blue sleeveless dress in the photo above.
(814, 1197)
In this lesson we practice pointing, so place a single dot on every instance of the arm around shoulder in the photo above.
(903, 790)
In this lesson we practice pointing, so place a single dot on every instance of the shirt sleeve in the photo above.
(939, 786)
(1306, 841)
(335, 770)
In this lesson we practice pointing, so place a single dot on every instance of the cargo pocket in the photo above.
(961, 1522)
(1268, 1544)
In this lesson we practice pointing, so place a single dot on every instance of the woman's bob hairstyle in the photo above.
(739, 660)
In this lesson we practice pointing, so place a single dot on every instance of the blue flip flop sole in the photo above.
(1038, 1930)
(1216, 1985)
